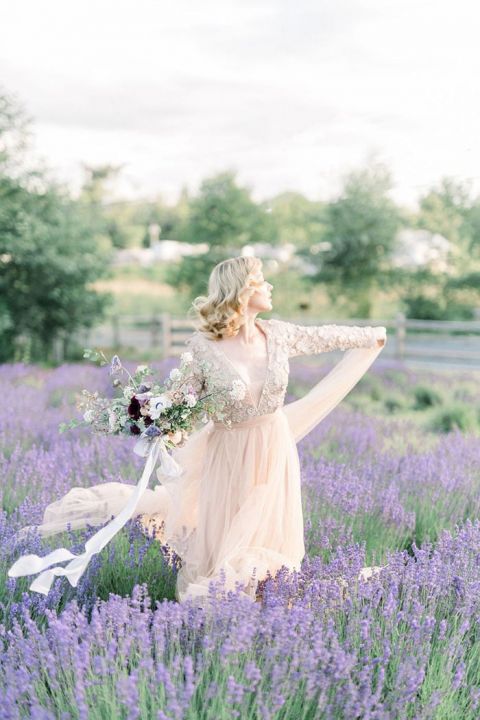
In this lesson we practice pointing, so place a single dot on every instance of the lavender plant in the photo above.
(378, 488)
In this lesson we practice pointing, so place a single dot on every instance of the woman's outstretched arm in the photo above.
(312, 339)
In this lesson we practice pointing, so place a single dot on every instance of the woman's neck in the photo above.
(248, 331)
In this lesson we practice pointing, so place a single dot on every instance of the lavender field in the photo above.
(391, 477)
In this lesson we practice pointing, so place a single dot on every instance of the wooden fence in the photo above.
(407, 338)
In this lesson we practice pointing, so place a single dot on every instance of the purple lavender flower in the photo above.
(115, 365)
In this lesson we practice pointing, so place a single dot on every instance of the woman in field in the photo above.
(237, 508)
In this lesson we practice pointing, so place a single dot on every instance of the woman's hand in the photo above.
(380, 342)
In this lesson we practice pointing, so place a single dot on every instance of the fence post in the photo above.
(166, 334)
(155, 335)
(400, 335)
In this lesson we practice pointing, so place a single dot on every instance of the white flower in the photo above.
(191, 400)
(175, 374)
(141, 369)
(144, 396)
(186, 357)
(158, 405)
(238, 390)
(88, 416)
(128, 392)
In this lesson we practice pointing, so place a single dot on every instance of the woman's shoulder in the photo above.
(275, 326)
(197, 343)
(270, 323)
(193, 339)
(277, 330)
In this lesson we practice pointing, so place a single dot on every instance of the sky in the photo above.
(288, 95)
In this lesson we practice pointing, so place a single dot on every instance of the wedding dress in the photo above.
(237, 506)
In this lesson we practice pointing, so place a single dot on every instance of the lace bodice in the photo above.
(211, 371)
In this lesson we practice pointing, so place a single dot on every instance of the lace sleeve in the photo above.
(311, 339)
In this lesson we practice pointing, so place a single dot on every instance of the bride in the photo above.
(236, 508)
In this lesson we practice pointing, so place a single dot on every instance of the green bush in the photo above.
(453, 417)
(420, 307)
(395, 402)
(425, 397)
(372, 386)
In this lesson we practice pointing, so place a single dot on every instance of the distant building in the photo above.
(282, 253)
(421, 248)
(274, 256)
(174, 250)
(160, 251)
(133, 256)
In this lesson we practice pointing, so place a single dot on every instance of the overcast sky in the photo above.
(290, 94)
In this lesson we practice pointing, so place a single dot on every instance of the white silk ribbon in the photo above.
(31, 564)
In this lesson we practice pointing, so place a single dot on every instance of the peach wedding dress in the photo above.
(237, 506)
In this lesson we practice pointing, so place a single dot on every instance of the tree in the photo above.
(156, 212)
(48, 255)
(191, 274)
(360, 229)
(105, 217)
(473, 219)
(449, 210)
(223, 216)
(14, 134)
(297, 220)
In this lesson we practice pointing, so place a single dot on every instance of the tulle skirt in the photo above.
(236, 510)
(243, 504)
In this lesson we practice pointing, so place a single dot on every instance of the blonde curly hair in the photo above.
(230, 285)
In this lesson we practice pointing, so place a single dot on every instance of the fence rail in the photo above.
(437, 340)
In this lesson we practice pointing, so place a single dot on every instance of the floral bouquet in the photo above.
(167, 411)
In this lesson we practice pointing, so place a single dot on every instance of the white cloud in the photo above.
(290, 94)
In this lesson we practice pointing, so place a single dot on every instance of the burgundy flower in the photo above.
(135, 430)
(147, 420)
(134, 408)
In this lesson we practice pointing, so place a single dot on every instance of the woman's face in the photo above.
(261, 299)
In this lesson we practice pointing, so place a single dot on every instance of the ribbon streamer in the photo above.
(33, 564)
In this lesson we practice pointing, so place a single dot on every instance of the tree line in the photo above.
(54, 246)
